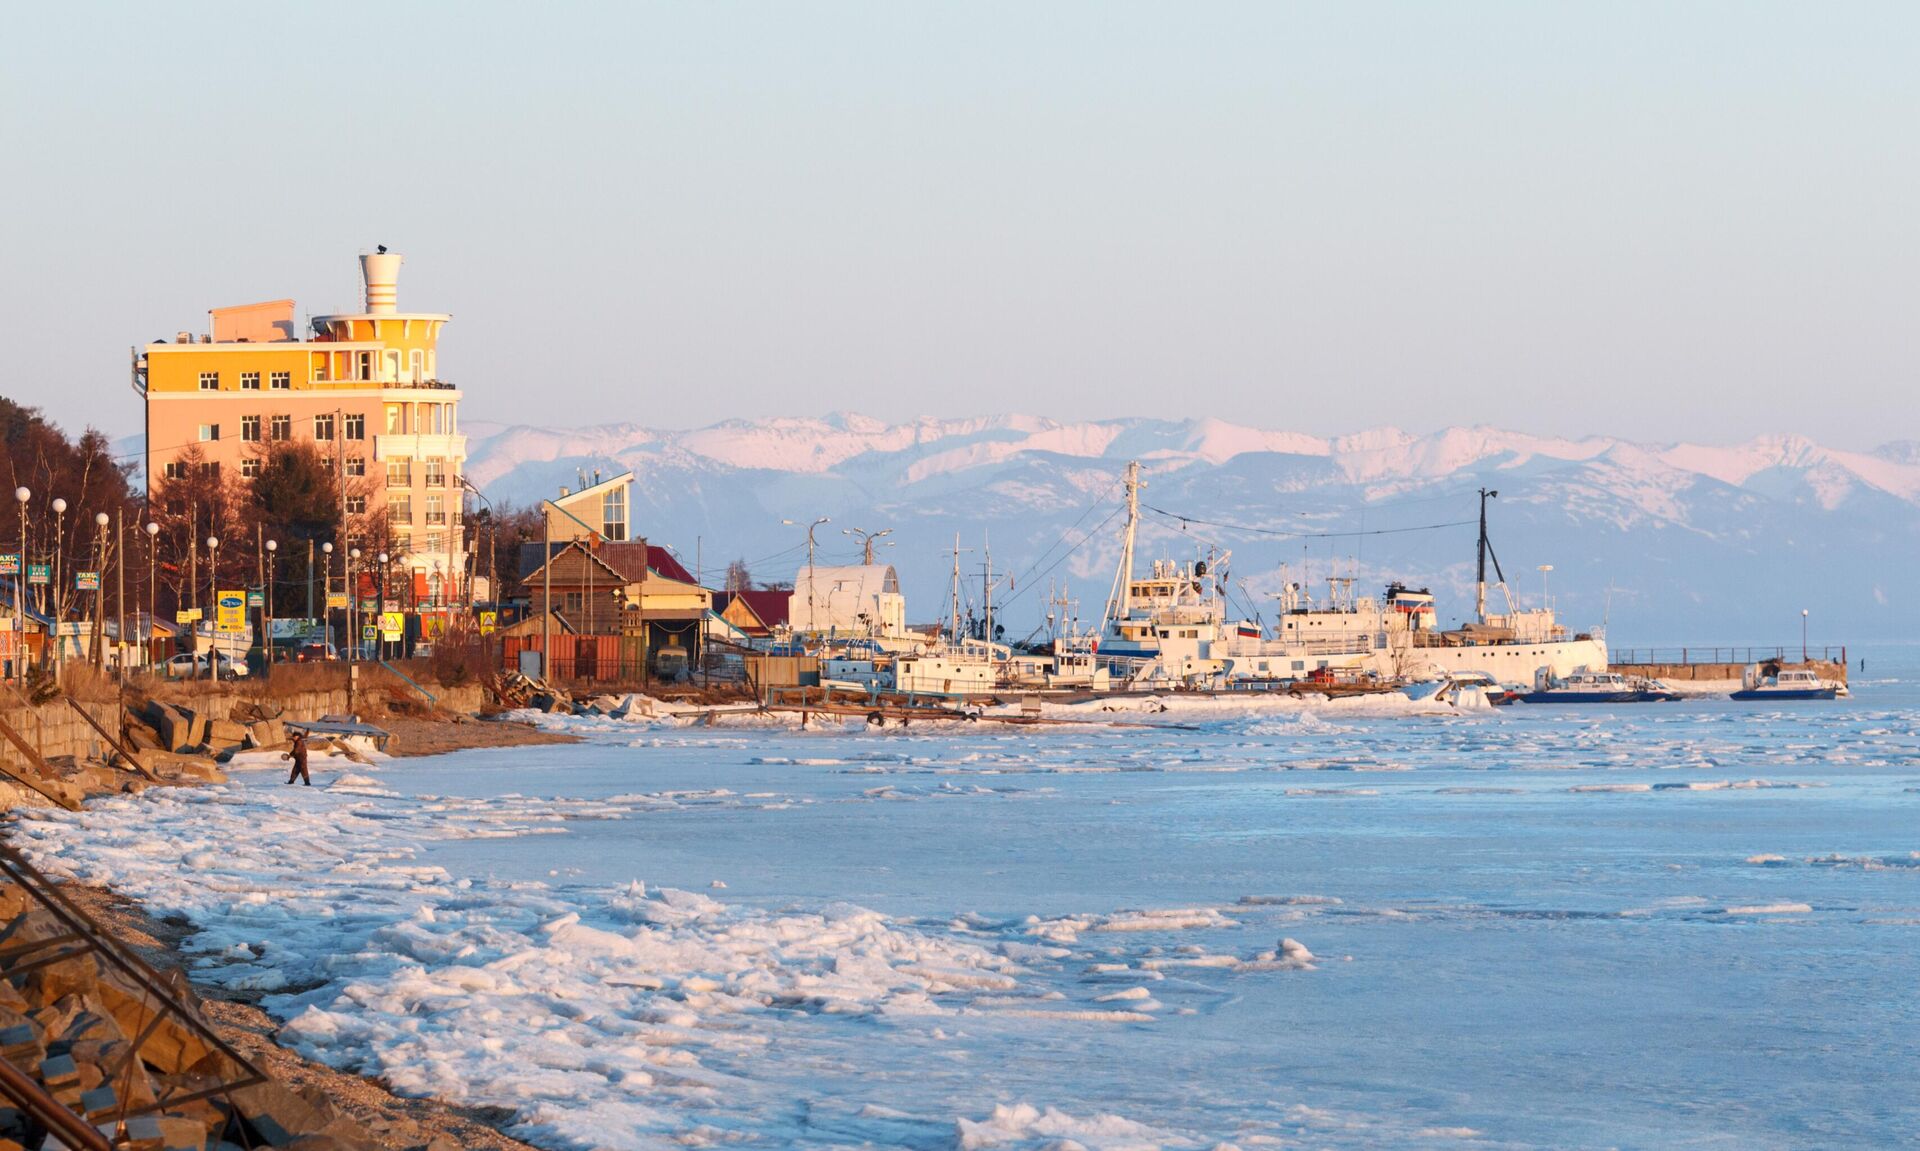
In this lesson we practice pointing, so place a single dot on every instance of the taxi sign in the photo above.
(230, 611)
(86, 581)
(10, 564)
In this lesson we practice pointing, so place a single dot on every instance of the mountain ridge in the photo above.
(1680, 541)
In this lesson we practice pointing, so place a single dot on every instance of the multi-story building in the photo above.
(364, 388)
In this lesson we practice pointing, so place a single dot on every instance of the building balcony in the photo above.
(419, 445)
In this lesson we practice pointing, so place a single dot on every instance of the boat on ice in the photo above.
(1599, 687)
(1786, 684)
(1459, 688)
(1173, 629)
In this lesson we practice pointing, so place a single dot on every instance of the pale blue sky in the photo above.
(1656, 220)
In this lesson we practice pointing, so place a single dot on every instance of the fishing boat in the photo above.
(1787, 684)
(1598, 687)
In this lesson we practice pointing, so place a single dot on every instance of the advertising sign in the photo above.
(10, 563)
(393, 626)
(86, 581)
(187, 615)
(39, 573)
(336, 599)
(230, 611)
(256, 599)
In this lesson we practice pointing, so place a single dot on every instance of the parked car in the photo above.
(189, 666)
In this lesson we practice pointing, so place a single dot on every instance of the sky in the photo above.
(1657, 221)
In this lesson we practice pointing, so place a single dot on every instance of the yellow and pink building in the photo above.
(365, 388)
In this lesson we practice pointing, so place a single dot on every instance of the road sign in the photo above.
(39, 573)
(256, 599)
(488, 621)
(336, 600)
(10, 563)
(86, 581)
(392, 605)
(230, 611)
(186, 615)
(393, 626)
(369, 633)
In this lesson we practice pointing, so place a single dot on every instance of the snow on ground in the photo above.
(686, 934)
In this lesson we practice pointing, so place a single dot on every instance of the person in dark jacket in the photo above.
(299, 757)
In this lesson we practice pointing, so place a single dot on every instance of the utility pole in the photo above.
(96, 643)
(546, 592)
(120, 588)
(810, 580)
(20, 592)
(153, 585)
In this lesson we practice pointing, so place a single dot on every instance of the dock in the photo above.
(1686, 664)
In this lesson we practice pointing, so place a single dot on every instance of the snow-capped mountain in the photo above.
(1670, 543)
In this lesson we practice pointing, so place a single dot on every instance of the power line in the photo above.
(1305, 535)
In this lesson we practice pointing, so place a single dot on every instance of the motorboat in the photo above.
(1598, 687)
(1788, 684)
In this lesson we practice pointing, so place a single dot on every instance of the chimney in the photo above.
(382, 274)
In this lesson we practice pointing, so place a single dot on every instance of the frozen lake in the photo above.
(1673, 924)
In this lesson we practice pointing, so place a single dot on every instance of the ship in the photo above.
(1173, 628)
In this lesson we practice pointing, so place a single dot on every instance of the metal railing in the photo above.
(1756, 653)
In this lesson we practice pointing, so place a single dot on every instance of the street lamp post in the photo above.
(213, 599)
(53, 595)
(352, 564)
(866, 539)
(810, 527)
(20, 592)
(326, 589)
(153, 585)
(384, 560)
(1803, 635)
(266, 639)
(98, 654)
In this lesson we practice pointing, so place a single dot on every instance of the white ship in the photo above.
(1173, 628)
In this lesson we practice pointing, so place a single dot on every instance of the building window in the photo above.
(399, 508)
(250, 429)
(175, 470)
(356, 505)
(209, 432)
(209, 381)
(211, 468)
(282, 381)
(249, 381)
(400, 472)
(356, 465)
(323, 428)
(356, 427)
(366, 366)
(396, 419)
(282, 427)
(576, 600)
(436, 543)
(436, 476)
(250, 467)
(436, 509)
(613, 513)
(326, 460)
(419, 365)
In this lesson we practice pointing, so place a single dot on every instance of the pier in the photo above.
(1725, 663)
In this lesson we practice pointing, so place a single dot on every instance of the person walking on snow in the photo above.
(299, 757)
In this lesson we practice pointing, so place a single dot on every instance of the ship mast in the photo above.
(1485, 550)
(1121, 602)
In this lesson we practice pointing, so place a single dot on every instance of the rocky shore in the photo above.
(151, 1069)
